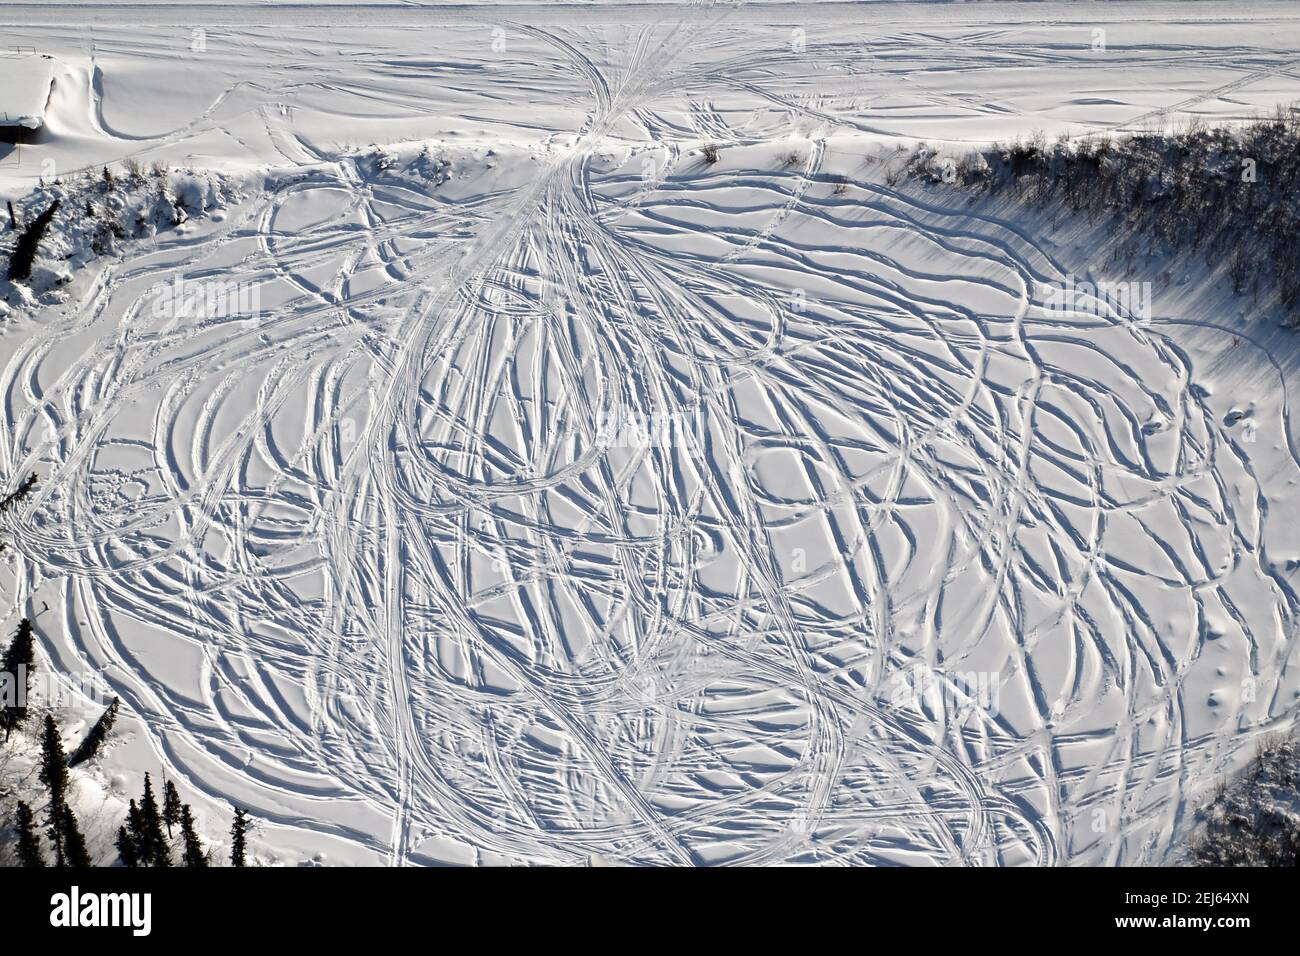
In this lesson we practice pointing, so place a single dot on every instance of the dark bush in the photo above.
(1255, 821)
(1233, 192)
(24, 254)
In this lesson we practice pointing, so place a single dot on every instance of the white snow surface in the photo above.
(545, 493)
(25, 80)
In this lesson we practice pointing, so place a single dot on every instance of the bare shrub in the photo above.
(1232, 192)
(1254, 822)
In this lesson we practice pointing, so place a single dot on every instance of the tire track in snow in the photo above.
(480, 618)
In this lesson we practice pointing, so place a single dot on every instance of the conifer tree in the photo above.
(74, 843)
(29, 843)
(171, 811)
(154, 848)
(239, 839)
(54, 774)
(195, 855)
(56, 837)
(126, 849)
(95, 739)
(16, 678)
(135, 832)
(54, 770)
(24, 253)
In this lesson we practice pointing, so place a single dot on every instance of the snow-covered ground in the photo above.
(25, 78)
(500, 479)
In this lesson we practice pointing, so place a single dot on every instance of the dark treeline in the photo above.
(153, 834)
(1233, 193)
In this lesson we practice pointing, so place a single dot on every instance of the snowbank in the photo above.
(25, 79)
(99, 215)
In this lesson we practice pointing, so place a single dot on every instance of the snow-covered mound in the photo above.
(103, 214)
(25, 81)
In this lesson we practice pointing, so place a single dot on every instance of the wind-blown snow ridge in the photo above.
(388, 555)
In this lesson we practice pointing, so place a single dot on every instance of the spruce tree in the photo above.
(74, 843)
(56, 837)
(24, 253)
(126, 849)
(135, 833)
(54, 774)
(16, 666)
(155, 851)
(95, 739)
(171, 811)
(54, 770)
(239, 839)
(29, 843)
(195, 855)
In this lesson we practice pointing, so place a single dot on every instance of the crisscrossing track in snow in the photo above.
(608, 515)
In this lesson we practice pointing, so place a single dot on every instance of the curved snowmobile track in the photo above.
(607, 514)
